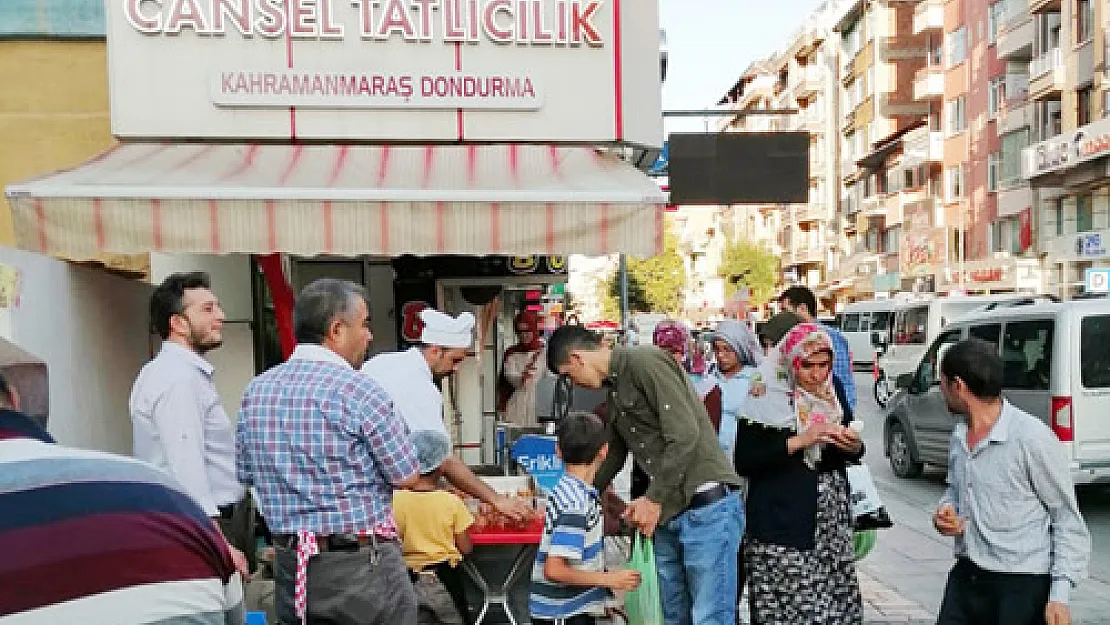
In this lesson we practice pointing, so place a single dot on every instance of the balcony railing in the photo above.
(928, 15)
(928, 83)
(1045, 63)
(926, 145)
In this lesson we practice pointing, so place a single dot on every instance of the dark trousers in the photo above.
(369, 586)
(975, 596)
(239, 529)
(581, 619)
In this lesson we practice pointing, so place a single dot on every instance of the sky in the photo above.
(710, 42)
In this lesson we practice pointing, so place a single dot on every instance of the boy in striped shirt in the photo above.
(569, 582)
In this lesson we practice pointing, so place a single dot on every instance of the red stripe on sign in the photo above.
(214, 226)
(429, 165)
(556, 163)
(383, 165)
(156, 224)
(291, 166)
(98, 223)
(383, 214)
(103, 155)
(329, 231)
(293, 123)
(40, 224)
(289, 64)
(192, 158)
(340, 163)
(549, 210)
(271, 225)
(246, 164)
(495, 227)
(514, 160)
(604, 229)
(618, 77)
(459, 123)
(145, 155)
(441, 227)
(471, 164)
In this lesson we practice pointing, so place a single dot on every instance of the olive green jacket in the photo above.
(655, 414)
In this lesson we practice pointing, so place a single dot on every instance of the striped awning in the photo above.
(341, 199)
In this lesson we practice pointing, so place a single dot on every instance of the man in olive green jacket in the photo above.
(692, 505)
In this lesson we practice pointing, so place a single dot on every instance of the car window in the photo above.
(851, 323)
(989, 333)
(911, 326)
(879, 321)
(928, 373)
(865, 322)
(1027, 354)
(1094, 355)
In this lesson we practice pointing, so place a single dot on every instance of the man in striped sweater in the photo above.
(98, 539)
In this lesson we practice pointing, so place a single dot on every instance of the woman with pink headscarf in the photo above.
(794, 443)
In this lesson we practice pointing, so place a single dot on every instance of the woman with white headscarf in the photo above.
(793, 443)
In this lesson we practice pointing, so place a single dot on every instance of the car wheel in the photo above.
(883, 391)
(901, 454)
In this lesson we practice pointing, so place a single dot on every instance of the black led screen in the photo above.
(739, 168)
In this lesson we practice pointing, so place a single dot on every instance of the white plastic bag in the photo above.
(865, 497)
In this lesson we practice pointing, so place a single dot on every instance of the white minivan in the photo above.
(1056, 366)
(859, 321)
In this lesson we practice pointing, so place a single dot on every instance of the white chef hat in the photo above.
(446, 331)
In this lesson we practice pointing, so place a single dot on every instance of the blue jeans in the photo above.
(695, 553)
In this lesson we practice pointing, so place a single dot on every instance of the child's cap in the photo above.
(432, 448)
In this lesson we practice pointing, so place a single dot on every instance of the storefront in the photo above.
(1070, 177)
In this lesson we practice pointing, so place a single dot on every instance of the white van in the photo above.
(1056, 366)
(859, 321)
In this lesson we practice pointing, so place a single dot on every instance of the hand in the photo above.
(623, 579)
(846, 439)
(643, 514)
(818, 433)
(948, 522)
(515, 509)
(241, 563)
(1056, 613)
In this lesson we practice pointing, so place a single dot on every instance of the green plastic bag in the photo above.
(644, 605)
(863, 542)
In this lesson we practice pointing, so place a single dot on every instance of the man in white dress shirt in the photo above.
(178, 422)
(412, 380)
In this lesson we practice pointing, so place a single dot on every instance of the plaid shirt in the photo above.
(842, 365)
(323, 447)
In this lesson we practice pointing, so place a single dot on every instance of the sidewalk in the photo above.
(883, 604)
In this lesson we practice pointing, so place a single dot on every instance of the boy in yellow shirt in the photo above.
(433, 525)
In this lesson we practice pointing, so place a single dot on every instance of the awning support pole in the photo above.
(624, 291)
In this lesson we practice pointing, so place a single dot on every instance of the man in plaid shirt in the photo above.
(324, 449)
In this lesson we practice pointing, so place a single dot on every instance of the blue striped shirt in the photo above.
(842, 365)
(573, 530)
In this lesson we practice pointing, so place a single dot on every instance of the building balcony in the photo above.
(924, 145)
(1047, 75)
(1015, 38)
(807, 255)
(872, 206)
(928, 15)
(1045, 6)
(928, 83)
(807, 82)
(1014, 115)
(814, 211)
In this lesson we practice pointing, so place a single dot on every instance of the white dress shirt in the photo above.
(179, 425)
(408, 380)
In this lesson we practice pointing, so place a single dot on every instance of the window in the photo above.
(996, 95)
(1084, 102)
(956, 46)
(994, 170)
(1084, 213)
(1012, 145)
(955, 114)
(954, 183)
(865, 322)
(879, 321)
(850, 323)
(1059, 211)
(995, 16)
(908, 181)
(911, 326)
(1084, 20)
(989, 333)
(1094, 358)
(891, 237)
(928, 374)
(1027, 354)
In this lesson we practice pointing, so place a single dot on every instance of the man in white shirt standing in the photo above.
(412, 380)
(178, 422)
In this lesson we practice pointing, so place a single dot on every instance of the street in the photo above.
(912, 559)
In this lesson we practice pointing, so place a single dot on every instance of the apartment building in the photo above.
(883, 58)
(1067, 163)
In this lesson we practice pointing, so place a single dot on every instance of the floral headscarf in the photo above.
(784, 403)
(673, 336)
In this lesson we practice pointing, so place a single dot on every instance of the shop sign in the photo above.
(411, 324)
(537, 456)
(1098, 280)
(426, 70)
(1090, 244)
(1087, 143)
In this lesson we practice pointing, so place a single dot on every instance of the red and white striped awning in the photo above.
(341, 199)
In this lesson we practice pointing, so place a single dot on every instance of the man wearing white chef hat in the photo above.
(411, 378)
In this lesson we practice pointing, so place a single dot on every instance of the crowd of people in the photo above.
(740, 480)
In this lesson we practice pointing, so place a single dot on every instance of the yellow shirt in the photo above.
(429, 522)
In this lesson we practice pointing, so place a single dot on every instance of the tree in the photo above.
(756, 266)
(655, 284)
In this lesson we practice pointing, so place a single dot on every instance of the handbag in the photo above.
(868, 512)
(644, 605)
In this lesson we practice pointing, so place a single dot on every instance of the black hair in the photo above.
(566, 339)
(319, 304)
(168, 298)
(801, 295)
(6, 394)
(978, 364)
(581, 436)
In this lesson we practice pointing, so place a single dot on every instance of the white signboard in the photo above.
(1098, 280)
(386, 70)
(1067, 150)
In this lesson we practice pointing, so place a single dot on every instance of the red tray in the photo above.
(527, 535)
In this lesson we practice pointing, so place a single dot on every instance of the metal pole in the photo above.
(624, 291)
